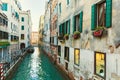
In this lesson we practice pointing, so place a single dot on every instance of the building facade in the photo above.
(53, 26)
(46, 33)
(41, 30)
(25, 29)
(4, 42)
(88, 38)
(11, 8)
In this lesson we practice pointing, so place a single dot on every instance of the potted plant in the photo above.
(66, 36)
(76, 35)
(98, 32)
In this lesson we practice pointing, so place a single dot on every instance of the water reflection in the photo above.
(37, 66)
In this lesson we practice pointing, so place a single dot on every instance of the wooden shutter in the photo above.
(93, 17)
(69, 27)
(73, 26)
(81, 21)
(108, 13)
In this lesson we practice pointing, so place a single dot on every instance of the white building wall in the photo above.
(87, 43)
(27, 27)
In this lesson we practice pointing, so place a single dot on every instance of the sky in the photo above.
(37, 8)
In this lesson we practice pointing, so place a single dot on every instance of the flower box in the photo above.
(66, 36)
(99, 32)
(76, 35)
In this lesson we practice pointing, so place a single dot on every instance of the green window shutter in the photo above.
(93, 17)
(69, 27)
(22, 27)
(4, 6)
(108, 13)
(59, 29)
(22, 19)
(81, 21)
(64, 28)
(73, 25)
(67, 2)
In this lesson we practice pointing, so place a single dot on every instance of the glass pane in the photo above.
(100, 64)
(77, 56)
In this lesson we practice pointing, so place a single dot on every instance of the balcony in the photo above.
(4, 44)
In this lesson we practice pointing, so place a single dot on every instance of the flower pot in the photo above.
(76, 36)
(66, 37)
(98, 33)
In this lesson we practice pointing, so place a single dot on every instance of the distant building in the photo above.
(46, 34)
(25, 29)
(34, 38)
(53, 26)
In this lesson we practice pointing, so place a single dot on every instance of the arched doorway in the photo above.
(22, 45)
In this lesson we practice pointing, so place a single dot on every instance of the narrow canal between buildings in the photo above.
(37, 66)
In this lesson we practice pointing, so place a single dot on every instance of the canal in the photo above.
(37, 66)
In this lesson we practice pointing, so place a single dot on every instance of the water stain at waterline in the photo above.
(37, 66)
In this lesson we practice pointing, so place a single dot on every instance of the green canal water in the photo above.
(37, 66)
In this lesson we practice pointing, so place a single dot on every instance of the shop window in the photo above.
(100, 64)
(66, 54)
(77, 56)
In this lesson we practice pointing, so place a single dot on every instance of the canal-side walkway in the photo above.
(37, 66)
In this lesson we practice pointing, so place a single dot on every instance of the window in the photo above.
(22, 19)
(77, 22)
(52, 40)
(68, 1)
(64, 28)
(60, 10)
(4, 6)
(66, 54)
(3, 35)
(77, 57)
(22, 36)
(66, 65)
(67, 27)
(100, 64)
(22, 27)
(101, 14)
(61, 30)
(59, 50)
